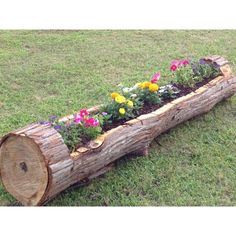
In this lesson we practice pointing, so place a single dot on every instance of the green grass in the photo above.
(57, 72)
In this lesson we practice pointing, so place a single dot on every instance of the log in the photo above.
(36, 165)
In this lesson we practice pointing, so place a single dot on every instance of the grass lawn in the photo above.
(46, 73)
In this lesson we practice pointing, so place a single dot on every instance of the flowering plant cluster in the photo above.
(148, 90)
(123, 105)
(81, 129)
(189, 72)
(202, 69)
(127, 102)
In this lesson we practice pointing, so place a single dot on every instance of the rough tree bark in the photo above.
(36, 165)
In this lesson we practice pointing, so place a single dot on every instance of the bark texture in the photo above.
(36, 165)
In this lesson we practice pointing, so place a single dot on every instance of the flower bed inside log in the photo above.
(36, 164)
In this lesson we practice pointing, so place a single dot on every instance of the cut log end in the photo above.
(23, 170)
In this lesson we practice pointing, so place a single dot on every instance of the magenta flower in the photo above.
(96, 122)
(91, 122)
(173, 67)
(84, 112)
(178, 63)
(78, 118)
(184, 62)
(155, 77)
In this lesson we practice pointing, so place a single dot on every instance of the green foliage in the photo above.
(205, 70)
(168, 91)
(185, 76)
(123, 105)
(71, 135)
(148, 97)
(75, 134)
(113, 109)
(136, 95)
(90, 133)
(195, 71)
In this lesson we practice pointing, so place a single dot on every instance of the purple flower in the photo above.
(52, 118)
(45, 123)
(57, 127)
(104, 113)
(195, 67)
(216, 65)
(202, 61)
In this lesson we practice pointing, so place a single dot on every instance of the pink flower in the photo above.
(78, 118)
(175, 62)
(91, 122)
(84, 112)
(178, 63)
(173, 67)
(184, 62)
(155, 77)
(96, 122)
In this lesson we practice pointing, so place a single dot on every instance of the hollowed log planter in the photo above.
(36, 165)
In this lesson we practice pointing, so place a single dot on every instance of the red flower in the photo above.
(83, 112)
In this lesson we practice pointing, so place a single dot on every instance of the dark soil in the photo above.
(147, 108)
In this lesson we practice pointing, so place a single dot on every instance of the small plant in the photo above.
(168, 91)
(182, 73)
(189, 73)
(148, 90)
(127, 102)
(204, 70)
(122, 106)
(79, 130)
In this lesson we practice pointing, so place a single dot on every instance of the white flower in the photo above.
(133, 95)
(126, 90)
(135, 86)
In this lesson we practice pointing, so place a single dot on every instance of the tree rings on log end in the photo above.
(23, 169)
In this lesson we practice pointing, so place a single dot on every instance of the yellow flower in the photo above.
(145, 84)
(120, 99)
(114, 95)
(130, 103)
(153, 87)
(122, 111)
